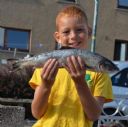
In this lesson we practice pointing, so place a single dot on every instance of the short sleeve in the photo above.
(103, 86)
(36, 79)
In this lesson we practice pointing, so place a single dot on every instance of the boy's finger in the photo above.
(70, 63)
(76, 63)
(81, 63)
(53, 70)
(48, 67)
(66, 67)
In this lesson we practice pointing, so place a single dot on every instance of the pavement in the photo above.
(29, 123)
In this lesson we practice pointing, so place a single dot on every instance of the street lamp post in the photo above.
(93, 43)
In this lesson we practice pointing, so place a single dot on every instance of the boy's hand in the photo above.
(75, 66)
(49, 72)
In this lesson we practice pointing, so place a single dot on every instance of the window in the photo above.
(121, 50)
(123, 4)
(121, 78)
(14, 39)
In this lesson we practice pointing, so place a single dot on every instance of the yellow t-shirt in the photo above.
(65, 109)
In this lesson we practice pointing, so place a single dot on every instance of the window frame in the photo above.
(117, 49)
(5, 43)
(121, 6)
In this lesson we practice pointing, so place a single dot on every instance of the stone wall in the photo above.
(12, 116)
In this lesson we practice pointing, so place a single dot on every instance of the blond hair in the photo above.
(72, 10)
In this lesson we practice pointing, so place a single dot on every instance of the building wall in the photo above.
(112, 25)
(39, 17)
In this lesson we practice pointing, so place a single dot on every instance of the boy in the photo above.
(71, 96)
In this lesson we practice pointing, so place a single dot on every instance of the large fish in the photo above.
(94, 61)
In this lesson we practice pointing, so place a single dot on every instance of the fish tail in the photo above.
(16, 65)
(14, 70)
(22, 64)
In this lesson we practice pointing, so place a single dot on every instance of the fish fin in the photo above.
(18, 65)
(14, 70)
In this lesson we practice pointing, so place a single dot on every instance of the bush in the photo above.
(15, 84)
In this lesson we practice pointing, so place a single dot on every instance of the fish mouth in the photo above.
(108, 67)
(100, 67)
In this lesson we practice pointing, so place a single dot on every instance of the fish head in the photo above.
(108, 66)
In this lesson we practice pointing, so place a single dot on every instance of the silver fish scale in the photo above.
(92, 60)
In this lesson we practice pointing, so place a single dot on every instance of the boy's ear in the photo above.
(57, 37)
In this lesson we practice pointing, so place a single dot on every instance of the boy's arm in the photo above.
(40, 101)
(91, 105)
(42, 92)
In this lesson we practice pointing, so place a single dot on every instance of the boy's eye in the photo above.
(65, 32)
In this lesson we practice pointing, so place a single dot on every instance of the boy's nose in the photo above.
(73, 34)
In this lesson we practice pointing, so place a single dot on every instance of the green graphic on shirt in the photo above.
(88, 79)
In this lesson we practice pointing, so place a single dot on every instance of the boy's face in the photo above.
(72, 32)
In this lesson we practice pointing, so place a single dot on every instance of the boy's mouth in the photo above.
(74, 44)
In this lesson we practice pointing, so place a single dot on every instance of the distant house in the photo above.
(27, 26)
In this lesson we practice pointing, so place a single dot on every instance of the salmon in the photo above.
(94, 61)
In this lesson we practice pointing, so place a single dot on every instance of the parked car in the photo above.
(119, 107)
(120, 89)
(121, 65)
